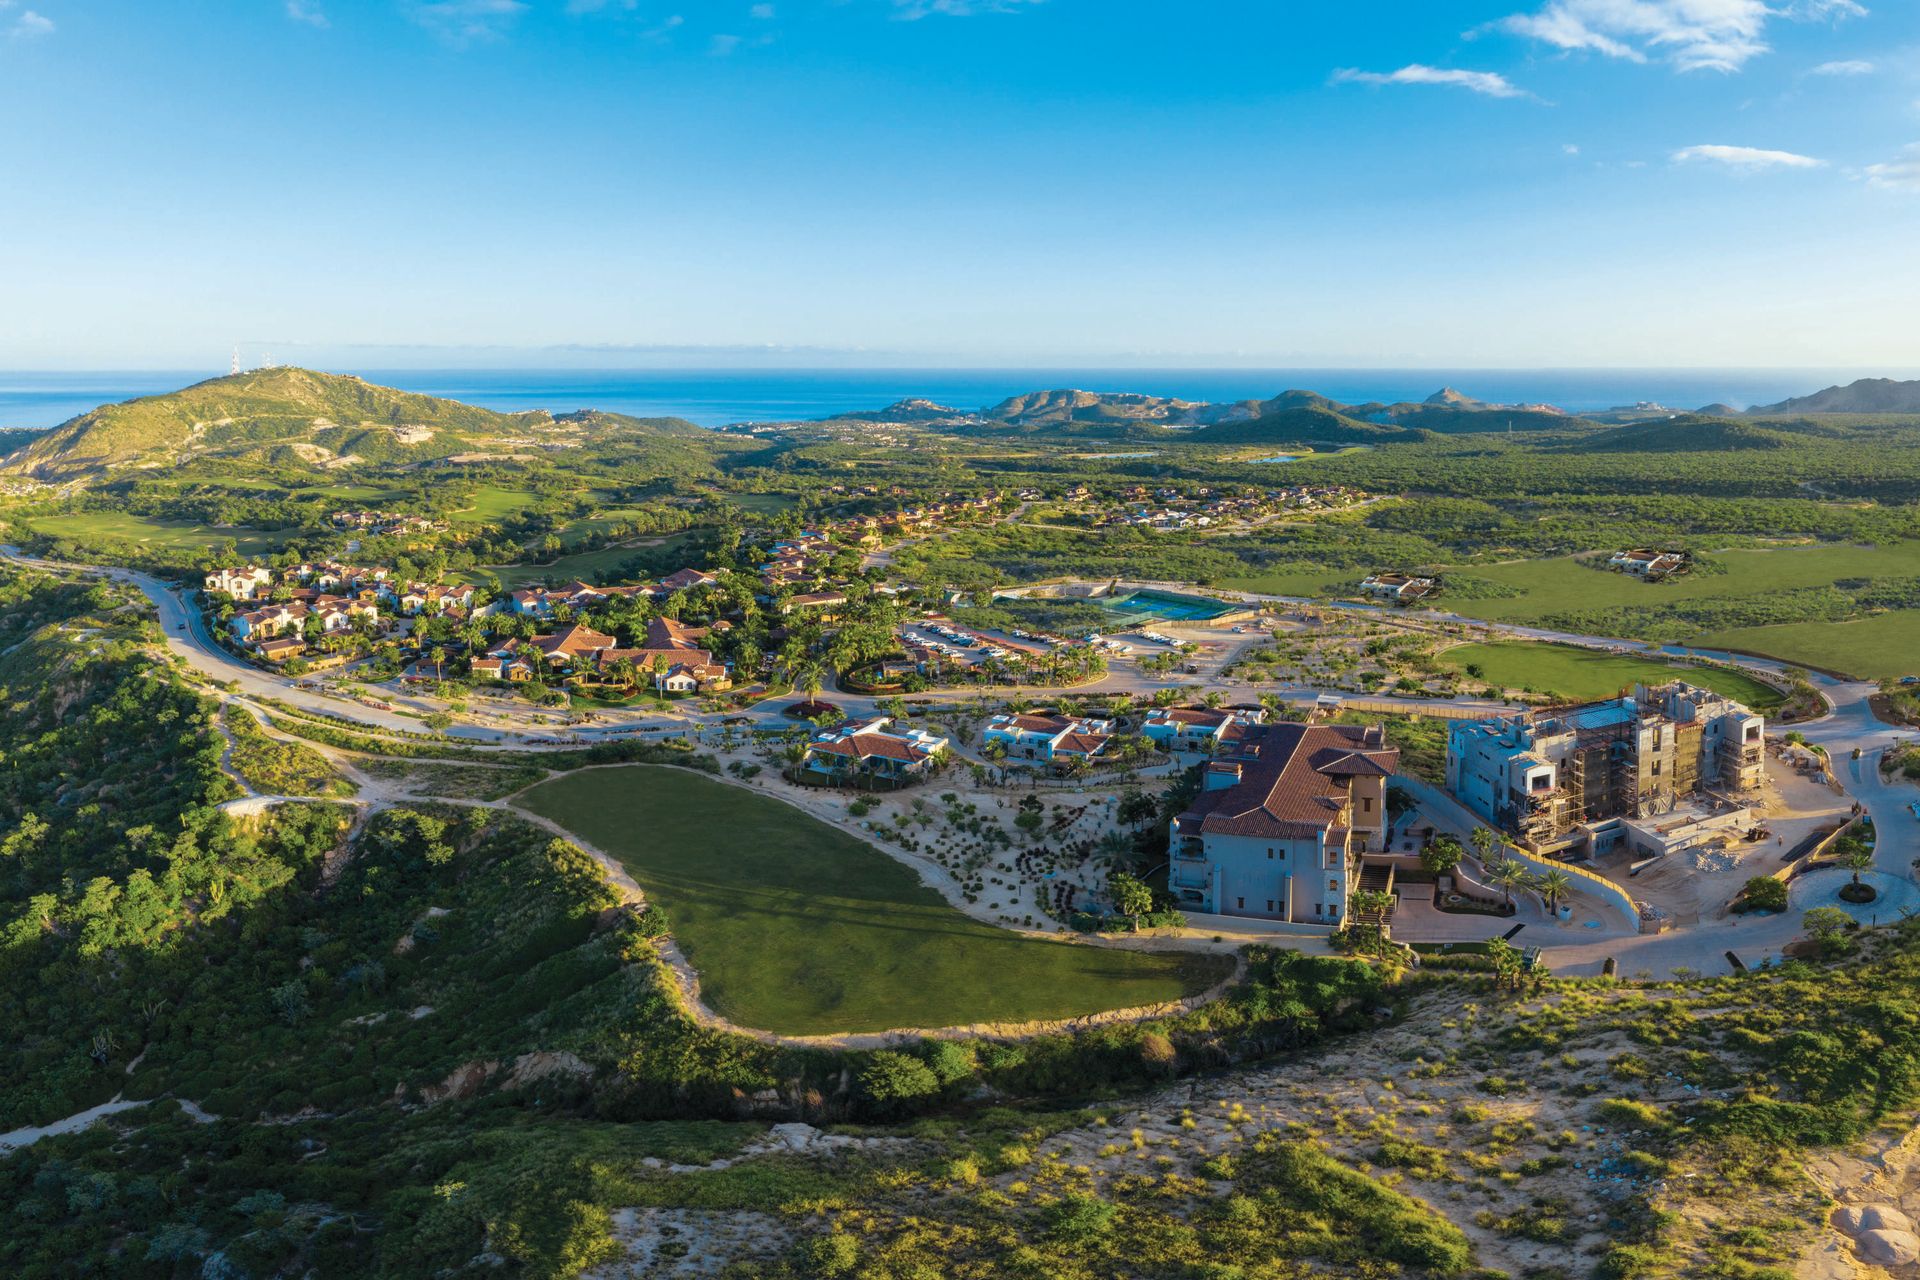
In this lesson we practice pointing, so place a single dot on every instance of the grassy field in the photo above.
(491, 502)
(588, 566)
(1584, 675)
(764, 504)
(576, 531)
(91, 527)
(1878, 647)
(799, 928)
(1562, 586)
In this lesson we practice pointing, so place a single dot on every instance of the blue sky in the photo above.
(1223, 182)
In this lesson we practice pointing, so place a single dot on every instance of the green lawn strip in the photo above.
(94, 527)
(1587, 675)
(1882, 646)
(798, 928)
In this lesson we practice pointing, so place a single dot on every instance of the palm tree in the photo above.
(1857, 858)
(810, 678)
(1485, 841)
(1508, 875)
(1555, 884)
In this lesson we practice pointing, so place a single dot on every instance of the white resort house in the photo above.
(1282, 823)
(241, 584)
(1643, 562)
(1198, 728)
(1401, 588)
(869, 748)
(1050, 739)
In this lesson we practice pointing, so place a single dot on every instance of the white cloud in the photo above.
(1571, 148)
(722, 46)
(761, 12)
(308, 12)
(1490, 83)
(1900, 174)
(466, 21)
(1694, 35)
(29, 25)
(1745, 159)
(1849, 68)
(914, 10)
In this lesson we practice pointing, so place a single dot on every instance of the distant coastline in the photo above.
(718, 397)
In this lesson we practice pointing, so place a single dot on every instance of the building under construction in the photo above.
(1549, 778)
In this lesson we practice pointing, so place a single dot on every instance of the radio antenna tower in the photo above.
(236, 362)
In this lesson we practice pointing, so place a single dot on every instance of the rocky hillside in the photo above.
(1868, 395)
(289, 417)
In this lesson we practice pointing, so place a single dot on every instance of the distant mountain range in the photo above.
(300, 419)
(1305, 416)
(1291, 416)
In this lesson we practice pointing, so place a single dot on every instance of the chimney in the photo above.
(1222, 774)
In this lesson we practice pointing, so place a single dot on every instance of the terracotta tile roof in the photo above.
(1035, 724)
(858, 746)
(1195, 716)
(573, 642)
(665, 633)
(1294, 782)
(681, 579)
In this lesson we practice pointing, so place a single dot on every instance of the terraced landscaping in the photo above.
(799, 928)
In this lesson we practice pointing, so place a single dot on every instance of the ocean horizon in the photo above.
(710, 397)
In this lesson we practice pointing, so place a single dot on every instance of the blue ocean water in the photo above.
(716, 397)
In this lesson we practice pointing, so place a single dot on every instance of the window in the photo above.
(1656, 768)
(1318, 909)
(1366, 804)
(1269, 904)
(1269, 855)
(1240, 903)
(1333, 886)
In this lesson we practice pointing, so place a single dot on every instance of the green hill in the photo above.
(1688, 434)
(1301, 426)
(294, 417)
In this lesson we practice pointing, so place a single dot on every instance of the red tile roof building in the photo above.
(1283, 819)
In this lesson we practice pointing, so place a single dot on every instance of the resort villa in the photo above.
(1056, 740)
(1652, 565)
(1198, 729)
(870, 749)
(1400, 588)
(241, 584)
(670, 658)
(1283, 819)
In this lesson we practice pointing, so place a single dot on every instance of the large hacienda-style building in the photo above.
(1284, 818)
